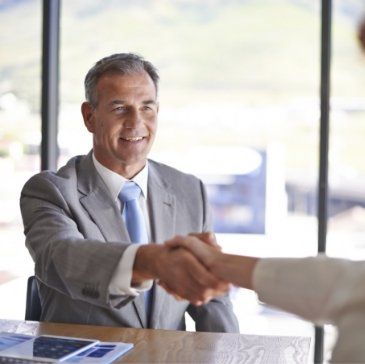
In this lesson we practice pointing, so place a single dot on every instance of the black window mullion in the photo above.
(326, 19)
(50, 83)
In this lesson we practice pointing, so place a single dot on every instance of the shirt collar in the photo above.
(115, 181)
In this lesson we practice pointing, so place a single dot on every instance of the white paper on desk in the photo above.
(8, 340)
(102, 353)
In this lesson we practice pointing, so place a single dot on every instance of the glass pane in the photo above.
(346, 203)
(20, 62)
(239, 108)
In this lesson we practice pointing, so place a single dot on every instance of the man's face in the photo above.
(124, 121)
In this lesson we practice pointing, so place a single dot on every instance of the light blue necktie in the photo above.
(135, 222)
(132, 213)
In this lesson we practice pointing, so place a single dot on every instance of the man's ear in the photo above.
(87, 112)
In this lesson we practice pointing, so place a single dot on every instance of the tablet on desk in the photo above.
(47, 348)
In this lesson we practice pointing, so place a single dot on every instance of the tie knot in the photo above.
(130, 191)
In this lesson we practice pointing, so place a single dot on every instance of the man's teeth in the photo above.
(135, 139)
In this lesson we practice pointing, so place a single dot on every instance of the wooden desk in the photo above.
(162, 346)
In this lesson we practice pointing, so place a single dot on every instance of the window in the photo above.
(347, 169)
(20, 135)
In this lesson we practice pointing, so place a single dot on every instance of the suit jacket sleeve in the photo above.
(215, 316)
(65, 258)
(319, 289)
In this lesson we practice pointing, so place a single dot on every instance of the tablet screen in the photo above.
(51, 348)
(57, 348)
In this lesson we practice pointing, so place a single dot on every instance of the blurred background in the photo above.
(239, 107)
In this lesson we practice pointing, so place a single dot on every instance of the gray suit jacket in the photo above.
(76, 236)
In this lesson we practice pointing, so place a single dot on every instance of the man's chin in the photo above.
(128, 167)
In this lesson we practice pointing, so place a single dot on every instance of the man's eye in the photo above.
(120, 109)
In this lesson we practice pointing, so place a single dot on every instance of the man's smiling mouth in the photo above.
(132, 139)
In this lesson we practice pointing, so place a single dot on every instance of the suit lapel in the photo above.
(161, 206)
(162, 214)
(104, 212)
(99, 204)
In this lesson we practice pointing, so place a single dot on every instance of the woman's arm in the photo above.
(319, 289)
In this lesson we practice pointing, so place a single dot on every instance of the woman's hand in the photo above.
(202, 245)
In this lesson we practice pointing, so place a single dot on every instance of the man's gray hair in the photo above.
(119, 63)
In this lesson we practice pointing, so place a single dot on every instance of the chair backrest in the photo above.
(33, 307)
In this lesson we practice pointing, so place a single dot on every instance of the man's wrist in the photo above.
(146, 263)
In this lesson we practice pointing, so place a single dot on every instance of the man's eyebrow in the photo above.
(116, 102)
(122, 102)
(148, 102)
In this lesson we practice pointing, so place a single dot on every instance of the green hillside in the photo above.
(218, 58)
(259, 49)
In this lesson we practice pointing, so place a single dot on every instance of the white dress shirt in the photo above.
(322, 290)
(120, 283)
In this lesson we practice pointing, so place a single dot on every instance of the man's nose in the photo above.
(133, 119)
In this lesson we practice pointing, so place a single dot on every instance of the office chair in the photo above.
(33, 307)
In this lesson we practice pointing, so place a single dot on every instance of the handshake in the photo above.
(187, 267)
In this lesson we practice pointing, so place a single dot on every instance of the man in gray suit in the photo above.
(88, 270)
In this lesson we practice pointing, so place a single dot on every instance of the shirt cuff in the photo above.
(259, 275)
(270, 275)
(120, 283)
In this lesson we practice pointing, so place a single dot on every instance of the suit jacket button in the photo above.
(85, 291)
(90, 292)
(94, 294)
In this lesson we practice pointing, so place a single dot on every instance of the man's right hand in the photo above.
(207, 237)
(178, 271)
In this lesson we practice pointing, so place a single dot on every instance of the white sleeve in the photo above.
(319, 289)
(120, 283)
